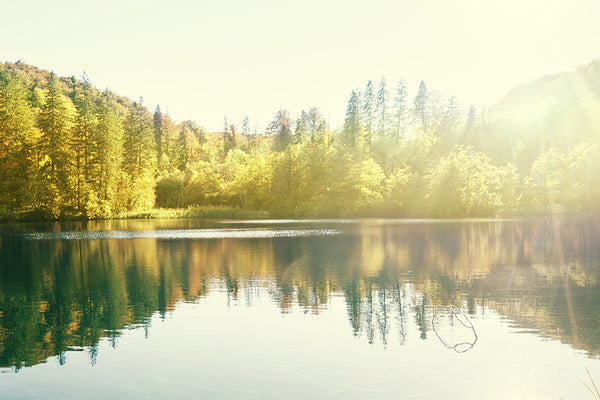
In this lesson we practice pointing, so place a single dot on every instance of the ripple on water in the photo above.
(182, 234)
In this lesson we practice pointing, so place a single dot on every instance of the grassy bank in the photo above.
(208, 212)
(203, 212)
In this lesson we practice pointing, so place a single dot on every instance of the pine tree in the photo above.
(170, 139)
(381, 103)
(353, 123)
(453, 111)
(18, 137)
(56, 124)
(229, 139)
(246, 126)
(158, 131)
(140, 156)
(302, 126)
(471, 117)
(436, 109)
(368, 109)
(182, 157)
(83, 141)
(281, 128)
(401, 109)
(420, 110)
(310, 124)
(109, 138)
(317, 125)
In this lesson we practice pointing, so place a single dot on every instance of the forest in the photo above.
(69, 150)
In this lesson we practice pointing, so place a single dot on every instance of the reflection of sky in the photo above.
(207, 350)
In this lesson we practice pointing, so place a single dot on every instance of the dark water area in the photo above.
(328, 309)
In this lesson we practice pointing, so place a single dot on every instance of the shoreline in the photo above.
(222, 212)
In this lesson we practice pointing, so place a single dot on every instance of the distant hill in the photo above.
(557, 110)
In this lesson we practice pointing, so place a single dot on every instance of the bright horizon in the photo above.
(204, 61)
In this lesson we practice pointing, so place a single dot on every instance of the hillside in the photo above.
(557, 111)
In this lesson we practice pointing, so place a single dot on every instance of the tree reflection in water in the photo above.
(57, 295)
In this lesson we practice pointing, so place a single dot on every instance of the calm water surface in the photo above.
(287, 309)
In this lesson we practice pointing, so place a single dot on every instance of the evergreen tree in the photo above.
(302, 126)
(109, 138)
(453, 111)
(158, 131)
(140, 157)
(182, 157)
(17, 140)
(56, 123)
(229, 139)
(381, 103)
(353, 123)
(317, 125)
(281, 128)
(436, 109)
(420, 110)
(83, 141)
(471, 118)
(170, 139)
(368, 110)
(246, 126)
(310, 124)
(401, 109)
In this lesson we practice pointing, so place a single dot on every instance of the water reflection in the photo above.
(454, 329)
(58, 295)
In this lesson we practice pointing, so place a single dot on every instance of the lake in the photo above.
(300, 309)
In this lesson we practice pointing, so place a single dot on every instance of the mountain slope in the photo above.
(557, 110)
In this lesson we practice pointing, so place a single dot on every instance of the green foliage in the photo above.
(84, 146)
(56, 147)
(169, 190)
(420, 103)
(68, 150)
(548, 178)
(205, 212)
(249, 179)
(205, 186)
(18, 136)
(140, 157)
(108, 174)
(396, 192)
(464, 184)
(281, 129)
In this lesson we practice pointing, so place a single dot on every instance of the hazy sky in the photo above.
(203, 60)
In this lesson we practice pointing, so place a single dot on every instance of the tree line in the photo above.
(68, 149)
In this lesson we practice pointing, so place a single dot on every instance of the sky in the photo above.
(204, 60)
